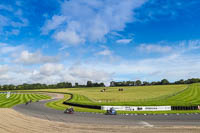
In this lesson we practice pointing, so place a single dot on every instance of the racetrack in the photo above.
(39, 110)
(15, 122)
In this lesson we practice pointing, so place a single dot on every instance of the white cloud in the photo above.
(193, 44)
(29, 58)
(151, 48)
(8, 49)
(70, 37)
(105, 51)
(172, 67)
(3, 69)
(23, 22)
(83, 20)
(51, 69)
(53, 24)
(3, 44)
(13, 32)
(53, 73)
(15, 21)
(124, 41)
(166, 47)
(83, 74)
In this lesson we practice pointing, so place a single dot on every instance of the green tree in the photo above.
(76, 84)
(164, 82)
(138, 83)
(145, 83)
(89, 83)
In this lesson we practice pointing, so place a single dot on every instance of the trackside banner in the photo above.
(137, 108)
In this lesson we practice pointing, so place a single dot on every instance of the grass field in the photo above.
(112, 95)
(188, 96)
(175, 95)
(185, 96)
(15, 99)
(135, 96)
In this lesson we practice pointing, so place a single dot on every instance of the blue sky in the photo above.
(99, 40)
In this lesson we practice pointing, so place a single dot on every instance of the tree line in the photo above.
(145, 83)
(95, 84)
(51, 86)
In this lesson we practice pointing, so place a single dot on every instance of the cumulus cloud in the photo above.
(29, 58)
(51, 69)
(172, 67)
(9, 49)
(124, 41)
(53, 73)
(83, 20)
(84, 74)
(70, 37)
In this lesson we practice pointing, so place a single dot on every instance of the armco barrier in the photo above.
(138, 108)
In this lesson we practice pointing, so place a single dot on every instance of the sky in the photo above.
(99, 40)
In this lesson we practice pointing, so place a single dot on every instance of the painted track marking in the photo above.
(146, 124)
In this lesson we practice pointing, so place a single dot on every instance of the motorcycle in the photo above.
(69, 111)
(112, 111)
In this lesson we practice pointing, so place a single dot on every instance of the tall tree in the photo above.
(138, 82)
(89, 83)
(164, 82)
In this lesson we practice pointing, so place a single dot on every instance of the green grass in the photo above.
(59, 103)
(185, 97)
(60, 106)
(175, 95)
(112, 96)
(15, 99)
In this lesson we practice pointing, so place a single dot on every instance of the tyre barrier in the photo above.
(184, 107)
(82, 105)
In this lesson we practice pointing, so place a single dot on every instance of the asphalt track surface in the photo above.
(39, 110)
